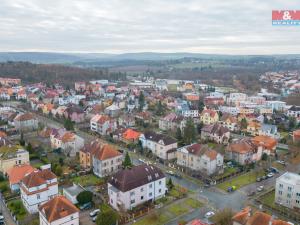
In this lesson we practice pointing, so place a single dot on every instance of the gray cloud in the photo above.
(216, 26)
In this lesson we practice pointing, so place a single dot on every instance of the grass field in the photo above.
(88, 180)
(269, 199)
(170, 212)
(240, 181)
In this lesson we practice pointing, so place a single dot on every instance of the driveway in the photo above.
(7, 216)
(84, 217)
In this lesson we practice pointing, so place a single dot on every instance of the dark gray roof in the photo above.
(150, 135)
(137, 176)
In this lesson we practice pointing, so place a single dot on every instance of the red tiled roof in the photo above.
(58, 208)
(107, 152)
(38, 178)
(131, 134)
(17, 173)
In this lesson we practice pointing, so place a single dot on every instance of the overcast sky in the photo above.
(118, 26)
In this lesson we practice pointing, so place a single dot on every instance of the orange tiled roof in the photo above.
(265, 141)
(212, 154)
(107, 152)
(211, 113)
(296, 133)
(17, 173)
(38, 178)
(131, 134)
(57, 208)
(242, 216)
(68, 136)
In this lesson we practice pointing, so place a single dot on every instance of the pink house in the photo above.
(75, 114)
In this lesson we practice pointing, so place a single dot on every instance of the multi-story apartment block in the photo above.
(287, 190)
(131, 187)
(38, 188)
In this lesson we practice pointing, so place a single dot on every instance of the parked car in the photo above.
(274, 170)
(231, 188)
(86, 206)
(94, 218)
(251, 193)
(94, 212)
(209, 214)
(264, 177)
(260, 188)
(269, 175)
(282, 162)
(259, 179)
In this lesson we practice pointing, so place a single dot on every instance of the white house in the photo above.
(38, 188)
(131, 187)
(59, 211)
(287, 190)
(103, 124)
(106, 161)
(197, 157)
(163, 146)
(71, 192)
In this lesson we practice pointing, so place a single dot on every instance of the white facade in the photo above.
(287, 190)
(33, 197)
(72, 219)
(132, 198)
(103, 168)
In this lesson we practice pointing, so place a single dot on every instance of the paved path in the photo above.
(7, 216)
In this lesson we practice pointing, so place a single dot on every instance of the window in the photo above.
(289, 195)
(289, 188)
(142, 197)
(132, 193)
(297, 201)
(150, 185)
(159, 190)
(142, 189)
(38, 196)
(150, 194)
(159, 182)
(132, 201)
(298, 194)
(280, 192)
(72, 217)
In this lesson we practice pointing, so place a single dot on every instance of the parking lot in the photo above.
(85, 218)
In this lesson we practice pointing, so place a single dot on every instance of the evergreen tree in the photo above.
(179, 137)
(170, 184)
(159, 109)
(141, 101)
(127, 161)
(244, 123)
(68, 124)
(200, 106)
(29, 148)
(22, 141)
(189, 132)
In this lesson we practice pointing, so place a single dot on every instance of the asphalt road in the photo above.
(7, 216)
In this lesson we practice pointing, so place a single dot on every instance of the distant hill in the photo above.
(54, 73)
(71, 58)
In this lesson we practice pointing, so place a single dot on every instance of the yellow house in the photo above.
(253, 127)
(48, 107)
(209, 116)
(12, 155)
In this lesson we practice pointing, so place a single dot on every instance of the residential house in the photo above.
(243, 151)
(75, 114)
(287, 190)
(72, 192)
(25, 121)
(267, 143)
(163, 146)
(86, 153)
(16, 174)
(126, 120)
(103, 124)
(47, 109)
(253, 127)
(132, 187)
(197, 157)
(12, 155)
(229, 121)
(294, 111)
(38, 188)
(215, 132)
(106, 161)
(68, 141)
(209, 116)
(112, 110)
(171, 122)
(213, 101)
(131, 136)
(248, 217)
(269, 130)
(59, 211)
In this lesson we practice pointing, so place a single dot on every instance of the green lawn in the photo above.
(240, 181)
(88, 180)
(169, 212)
(193, 203)
(227, 171)
(18, 209)
(178, 209)
(269, 199)
(154, 219)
